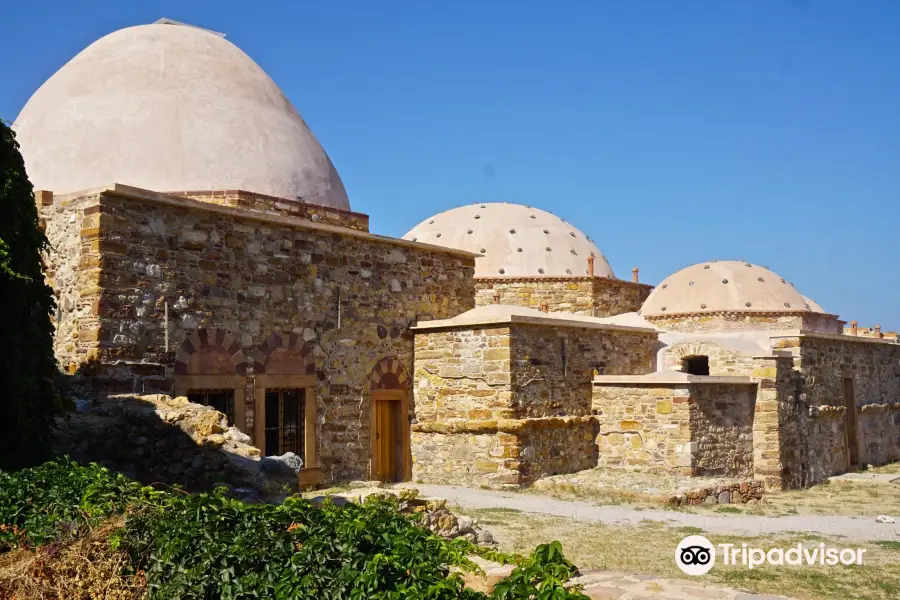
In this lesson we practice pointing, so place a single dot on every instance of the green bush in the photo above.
(27, 368)
(197, 546)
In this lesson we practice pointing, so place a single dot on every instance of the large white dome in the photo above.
(725, 286)
(171, 108)
(516, 241)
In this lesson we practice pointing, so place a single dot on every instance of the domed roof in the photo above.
(725, 286)
(516, 241)
(171, 108)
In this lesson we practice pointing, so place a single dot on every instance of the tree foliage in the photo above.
(28, 401)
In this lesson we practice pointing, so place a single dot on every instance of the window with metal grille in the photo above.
(285, 422)
(221, 400)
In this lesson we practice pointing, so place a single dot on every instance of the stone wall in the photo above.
(504, 453)
(553, 367)
(691, 428)
(348, 296)
(463, 374)
(644, 426)
(816, 445)
(775, 423)
(273, 205)
(722, 425)
(73, 271)
(718, 322)
(879, 433)
(505, 404)
(591, 296)
(558, 446)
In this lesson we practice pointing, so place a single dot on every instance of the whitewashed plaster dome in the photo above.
(169, 107)
(725, 286)
(516, 241)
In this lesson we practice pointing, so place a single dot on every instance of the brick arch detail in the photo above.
(205, 338)
(685, 349)
(388, 374)
(676, 353)
(289, 341)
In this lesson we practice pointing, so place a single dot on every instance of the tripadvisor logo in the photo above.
(696, 555)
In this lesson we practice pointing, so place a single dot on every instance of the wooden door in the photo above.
(387, 440)
(850, 422)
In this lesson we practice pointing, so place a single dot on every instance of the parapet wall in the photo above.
(273, 205)
(739, 321)
(589, 296)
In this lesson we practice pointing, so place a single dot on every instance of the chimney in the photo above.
(545, 308)
(853, 327)
(634, 274)
(591, 265)
(878, 333)
(496, 297)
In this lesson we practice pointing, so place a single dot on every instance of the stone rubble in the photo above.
(159, 439)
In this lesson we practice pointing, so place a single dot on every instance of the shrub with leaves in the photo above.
(542, 576)
(199, 546)
(59, 500)
(29, 402)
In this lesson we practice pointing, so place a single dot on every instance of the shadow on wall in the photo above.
(157, 439)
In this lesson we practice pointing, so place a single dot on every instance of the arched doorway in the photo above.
(389, 422)
(285, 400)
(210, 369)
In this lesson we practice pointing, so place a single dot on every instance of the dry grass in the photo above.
(86, 569)
(893, 468)
(649, 548)
(598, 495)
(848, 498)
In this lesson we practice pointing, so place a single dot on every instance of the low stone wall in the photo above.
(722, 426)
(467, 459)
(160, 439)
(505, 453)
(555, 450)
(693, 428)
(644, 426)
(743, 492)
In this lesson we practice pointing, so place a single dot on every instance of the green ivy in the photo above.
(204, 546)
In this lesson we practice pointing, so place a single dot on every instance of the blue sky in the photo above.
(670, 132)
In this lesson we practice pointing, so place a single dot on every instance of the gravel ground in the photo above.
(856, 529)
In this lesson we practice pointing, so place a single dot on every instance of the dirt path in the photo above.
(856, 529)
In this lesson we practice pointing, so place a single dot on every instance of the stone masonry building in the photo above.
(204, 245)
